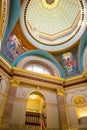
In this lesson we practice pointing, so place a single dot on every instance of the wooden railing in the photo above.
(32, 118)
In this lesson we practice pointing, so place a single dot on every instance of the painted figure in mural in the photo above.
(69, 63)
(12, 48)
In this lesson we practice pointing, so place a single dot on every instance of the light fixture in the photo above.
(32, 96)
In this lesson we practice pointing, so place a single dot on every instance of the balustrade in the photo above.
(32, 118)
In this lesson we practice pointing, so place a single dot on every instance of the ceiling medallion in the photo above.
(49, 4)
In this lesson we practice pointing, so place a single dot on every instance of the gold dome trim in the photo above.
(49, 6)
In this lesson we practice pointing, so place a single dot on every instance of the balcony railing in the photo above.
(33, 118)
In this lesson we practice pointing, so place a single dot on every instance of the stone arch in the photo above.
(42, 54)
(38, 91)
(48, 65)
(35, 106)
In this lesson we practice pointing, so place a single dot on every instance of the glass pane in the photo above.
(38, 68)
(29, 68)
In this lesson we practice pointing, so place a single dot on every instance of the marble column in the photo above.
(10, 104)
(61, 108)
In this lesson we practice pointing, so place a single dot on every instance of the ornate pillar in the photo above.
(10, 103)
(62, 111)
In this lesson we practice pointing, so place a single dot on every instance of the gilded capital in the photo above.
(15, 82)
(60, 91)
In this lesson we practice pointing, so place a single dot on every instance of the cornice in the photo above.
(35, 79)
(3, 62)
(76, 81)
(5, 68)
(45, 81)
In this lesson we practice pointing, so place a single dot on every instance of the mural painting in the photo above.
(12, 48)
(69, 63)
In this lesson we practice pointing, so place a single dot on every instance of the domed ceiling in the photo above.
(53, 25)
(55, 30)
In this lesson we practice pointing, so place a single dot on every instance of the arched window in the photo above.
(39, 65)
(36, 67)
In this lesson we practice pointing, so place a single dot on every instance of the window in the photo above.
(37, 68)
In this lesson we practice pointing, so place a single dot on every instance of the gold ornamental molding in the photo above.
(4, 15)
(15, 82)
(5, 68)
(51, 82)
(80, 101)
(85, 74)
(60, 91)
(49, 4)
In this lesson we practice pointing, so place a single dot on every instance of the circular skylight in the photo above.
(49, 1)
(49, 4)
(53, 28)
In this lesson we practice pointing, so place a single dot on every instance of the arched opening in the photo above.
(36, 67)
(39, 65)
(34, 109)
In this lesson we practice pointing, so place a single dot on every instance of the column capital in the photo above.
(60, 91)
(15, 82)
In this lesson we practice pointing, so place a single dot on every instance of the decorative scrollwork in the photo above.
(15, 82)
(60, 91)
(80, 101)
